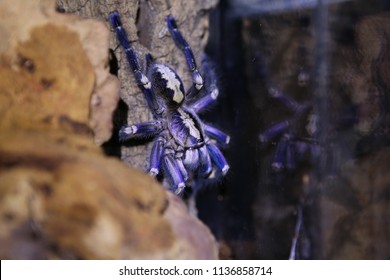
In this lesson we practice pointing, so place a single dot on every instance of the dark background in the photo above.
(343, 196)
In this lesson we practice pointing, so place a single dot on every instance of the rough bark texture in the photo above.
(145, 25)
(60, 196)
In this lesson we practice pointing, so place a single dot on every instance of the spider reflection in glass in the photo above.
(297, 135)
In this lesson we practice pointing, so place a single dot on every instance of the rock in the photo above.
(196, 240)
(73, 198)
(60, 198)
(48, 56)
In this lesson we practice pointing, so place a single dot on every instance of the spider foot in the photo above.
(180, 189)
(140, 130)
(205, 101)
(197, 79)
(153, 172)
(221, 137)
(218, 158)
(126, 132)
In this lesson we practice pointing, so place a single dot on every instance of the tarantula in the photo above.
(297, 138)
(183, 144)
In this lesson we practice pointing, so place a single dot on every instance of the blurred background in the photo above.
(321, 188)
(304, 95)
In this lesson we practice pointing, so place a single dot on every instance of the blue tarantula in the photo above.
(183, 144)
(297, 134)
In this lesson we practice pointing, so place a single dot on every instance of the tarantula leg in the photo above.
(182, 44)
(274, 131)
(210, 83)
(211, 87)
(182, 169)
(286, 100)
(155, 156)
(173, 171)
(141, 130)
(302, 148)
(122, 38)
(149, 61)
(218, 157)
(220, 136)
(315, 151)
(290, 156)
(205, 101)
(280, 154)
(205, 162)
(140, 77)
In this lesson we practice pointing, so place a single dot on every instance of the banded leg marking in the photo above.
(155, 156)
(182, 44)
(218, 158)
(174, 173)
(140, 77)
(140, 130)
(220, 136)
